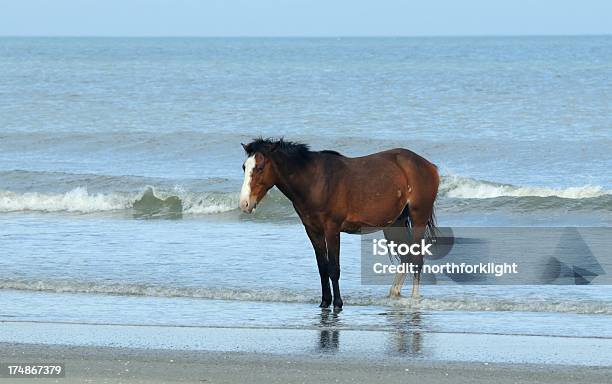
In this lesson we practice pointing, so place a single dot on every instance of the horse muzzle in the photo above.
(247, 206)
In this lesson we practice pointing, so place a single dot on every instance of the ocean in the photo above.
(120, 170)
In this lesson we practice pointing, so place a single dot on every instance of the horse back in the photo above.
(373, 190)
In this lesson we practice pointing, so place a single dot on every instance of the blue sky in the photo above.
(304, 17)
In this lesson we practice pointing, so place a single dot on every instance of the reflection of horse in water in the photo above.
(405, 338)
(329, 339)
(408, 337)
(332, 193)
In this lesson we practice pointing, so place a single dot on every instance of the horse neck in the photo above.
(294, 180)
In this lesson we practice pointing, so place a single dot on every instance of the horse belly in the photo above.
(380, 209)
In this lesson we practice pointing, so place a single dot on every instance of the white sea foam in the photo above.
(285, 296)
(76, 200)
(467, 188)
(210, 204)
(80, 200)
(485, 305)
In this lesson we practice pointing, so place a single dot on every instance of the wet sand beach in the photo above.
(135, 353)
(124, 365)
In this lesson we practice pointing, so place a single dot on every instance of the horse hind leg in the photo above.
(420, 220)
(399, 232)
(398, 283)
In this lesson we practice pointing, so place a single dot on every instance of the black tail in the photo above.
(431, 231)
(431, 228)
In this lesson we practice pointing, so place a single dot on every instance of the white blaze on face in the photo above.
(245, 192)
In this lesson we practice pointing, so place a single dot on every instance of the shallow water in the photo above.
(96, 133)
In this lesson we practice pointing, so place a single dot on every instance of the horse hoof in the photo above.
(337, 305)
(324, 304)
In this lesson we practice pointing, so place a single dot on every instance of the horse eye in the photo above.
(259, 169)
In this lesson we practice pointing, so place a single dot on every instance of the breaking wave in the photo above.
(148, 202)
(456, 194)
(286, 296)
(76, 200)
(467, 188)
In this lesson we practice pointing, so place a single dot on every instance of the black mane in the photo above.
(329, 152)
(299, 153)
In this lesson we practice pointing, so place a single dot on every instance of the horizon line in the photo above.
(310, 36)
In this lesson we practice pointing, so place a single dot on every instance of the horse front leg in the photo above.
(318, 243)
(332, 238)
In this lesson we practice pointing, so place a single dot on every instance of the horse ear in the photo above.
(243, 146)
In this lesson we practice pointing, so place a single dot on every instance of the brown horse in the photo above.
(332, 193)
